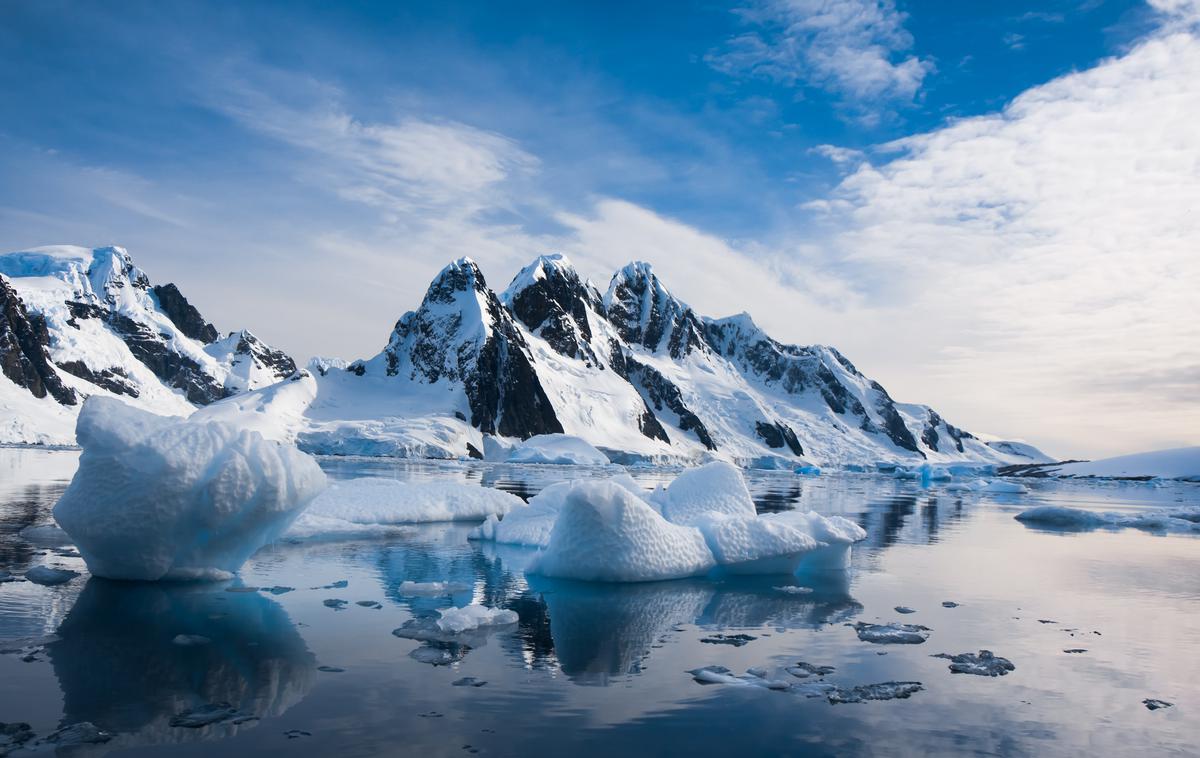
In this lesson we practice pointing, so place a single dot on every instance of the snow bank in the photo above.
(605, 533)
(388, 501)
(1074, 519)
(562, 449)
(1178, 463)
(166, 498)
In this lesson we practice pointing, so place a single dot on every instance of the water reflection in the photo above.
(118, 667)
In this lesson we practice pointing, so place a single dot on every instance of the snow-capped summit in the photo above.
(104, 328)
(550, 298)
(645, 313)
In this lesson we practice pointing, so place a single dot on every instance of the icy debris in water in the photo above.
(1075, 519)
(1154, 704)
(190, 640)
(204, 715)
(891, 634)
(49, 576)
(997, 487)
(80, 733)
(794, 590)
(331, 669)
(432, 588)
(374, 501)
(471, 617)
(468, 681)
(13, 735)
(45, 535)
(335, 604)
(1047, 621)
(160, 497)
(293, 734)
(341, 584)
(983, 663)
(277, 589)
(880, 691)
(1075, 650)
(437, 654)
(949, 604)
(372, 604)
(904, 609)
(722, 675)
(802, 670)
(737, 640)
(6, 576)
(242, 589)
(814, 689)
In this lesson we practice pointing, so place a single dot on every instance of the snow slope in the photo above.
(1178, 463)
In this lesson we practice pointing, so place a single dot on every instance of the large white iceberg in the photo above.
(611, 530)
(562, 449)
(168, 498)
(605, 533)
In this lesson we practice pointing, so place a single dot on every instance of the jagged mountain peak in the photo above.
(554, 302)
(644, 312)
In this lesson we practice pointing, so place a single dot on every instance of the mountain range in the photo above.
(633, 370)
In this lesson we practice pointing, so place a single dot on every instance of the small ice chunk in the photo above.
(563, 449)
(190, 640)
(335, 603)
(471, 617)
(372, 604)
(606, 533)
(737, 640)
(892, 634)
(277, 589)
(879, 691)
(793, 589)
(389, 501)
(983, 663)
(48, 576)
(949, 604)
(432, 588)
(802, 670)
(80, 733)
(998, 487)
(468, 681)
(1074, 519)
(904, 609)
(6, 576)
(162, 498)
(437, 654)
(1154, 704)
(722, 675)
(331, 669)
(1075, 650)
(45, 535)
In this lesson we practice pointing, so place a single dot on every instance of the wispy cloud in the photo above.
(856, 49)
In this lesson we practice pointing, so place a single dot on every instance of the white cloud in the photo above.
(1037, 268)
(853, 48)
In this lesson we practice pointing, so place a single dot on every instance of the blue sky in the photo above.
(850, 171)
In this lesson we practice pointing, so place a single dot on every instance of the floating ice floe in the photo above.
(389, 501)
(892, 634)
(468, 625)
(564, 449)
(167, 498)
(48, 576)
(611, 530)
(432, 588)
(878, 691)
(983, 663)
(1076, 519)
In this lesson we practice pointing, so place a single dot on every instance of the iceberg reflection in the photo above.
(120, 666)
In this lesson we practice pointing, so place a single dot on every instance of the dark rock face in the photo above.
(894, 426)
(661, 393)
(555, 307)
(24, 358)
(931, 437)
(645, 313)
(113, 379)
(152, 349)
(490, 359)
(778, 435)
(279, 362)
(183, 314)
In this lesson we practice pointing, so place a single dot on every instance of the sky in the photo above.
(992, 208)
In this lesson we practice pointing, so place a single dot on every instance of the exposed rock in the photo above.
(183, 314)
(24, 354)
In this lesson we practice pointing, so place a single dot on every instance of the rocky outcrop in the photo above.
(23, 349)
(184, 315)
(644, 313)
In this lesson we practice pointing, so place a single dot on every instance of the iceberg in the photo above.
(160, 497)
(389, 501)
(605, 533)
(715, 488)
(1075, 519)
(563, 449)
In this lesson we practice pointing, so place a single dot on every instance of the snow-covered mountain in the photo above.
(76, 322)
(635, 371)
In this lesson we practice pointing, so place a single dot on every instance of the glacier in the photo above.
(157, 497)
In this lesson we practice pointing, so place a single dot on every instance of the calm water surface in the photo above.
(602, 669)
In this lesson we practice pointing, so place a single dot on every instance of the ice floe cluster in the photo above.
(167, 498)
(611, 530)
